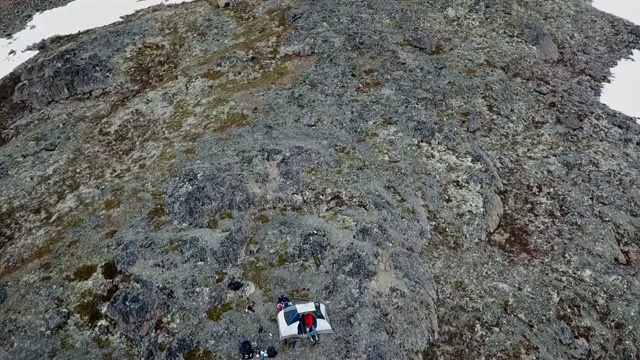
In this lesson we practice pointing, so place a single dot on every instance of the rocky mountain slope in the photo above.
(440, 174)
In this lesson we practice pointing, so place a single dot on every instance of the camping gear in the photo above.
(283, 302)
(235, 285)
(246, 350)
(271, 352)
(290, 324)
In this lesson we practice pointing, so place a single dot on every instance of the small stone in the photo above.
(376, 233)
(536, 35)
(393, 158)
(473, 123)
(424, 131)
(56, 318)
(493, 211)
(12, 52)
(633, 254)
(618, 254)
(565, 334)
(571, 122)
(224, 3)
(50, 146)
(580, 349)
(627, 351)
(542, 90)
(548, 48)
(491, 318)
(423, 42)
(131, 309)
(308, 120)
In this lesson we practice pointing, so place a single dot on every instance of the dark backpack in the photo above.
(271, 352)
(246, 350)
(235, 285)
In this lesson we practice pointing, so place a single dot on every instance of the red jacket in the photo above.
(308, 320)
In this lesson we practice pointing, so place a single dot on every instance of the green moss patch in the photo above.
(108, 295)
(215, 313)
(282, 258)
(368, 86)
(88, 308)
(151, 63)
(212, 224)
(213, 75)
(448, 237)
(252, 246)
(299, 294)
(317, 260)
(226, 215)
(83, 272)
(254, 271)
(232, 120)
(267, 295)
(110, 270)
(112, 203)
(470, 71)
(199, 354)
(103, 342)
(157, 212)
(220, 276)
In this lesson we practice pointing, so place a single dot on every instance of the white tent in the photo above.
(289, 320)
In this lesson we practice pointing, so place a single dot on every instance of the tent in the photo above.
(289, 320)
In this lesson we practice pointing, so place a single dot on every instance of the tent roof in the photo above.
(289, 318)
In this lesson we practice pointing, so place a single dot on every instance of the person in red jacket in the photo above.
(308, 320)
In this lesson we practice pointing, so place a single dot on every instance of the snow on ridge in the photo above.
(621, 93)
(76, 16)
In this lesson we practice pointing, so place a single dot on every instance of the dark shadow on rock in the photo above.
(355, 263)
(374, 233)
(231, 247)
(293, 165)
(201, 193)
(64, 75)
(313, 245)
(4, 293)
(136, 308)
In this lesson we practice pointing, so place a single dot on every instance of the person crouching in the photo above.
(308, 320)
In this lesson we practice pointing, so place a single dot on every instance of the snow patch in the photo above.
(77, 16)
(621, 93)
